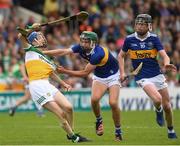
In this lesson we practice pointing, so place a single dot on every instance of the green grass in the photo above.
(139, 127)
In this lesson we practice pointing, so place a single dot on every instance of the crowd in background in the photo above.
(112, 20)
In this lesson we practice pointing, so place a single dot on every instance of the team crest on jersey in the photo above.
(142, 45)
(150, 45)
(48, 94)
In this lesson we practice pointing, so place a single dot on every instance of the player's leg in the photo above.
(40, 112)
(54, 108)
(67, 110)
(44, 94)
(168, 112)
(98, 90)
(24, 99)
(66, 106)
(19, 102)
(114, 104)
(156, 97)
(153, 93)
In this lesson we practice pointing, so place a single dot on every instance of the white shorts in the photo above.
(159, 81)
(109, 81)
(42, 92)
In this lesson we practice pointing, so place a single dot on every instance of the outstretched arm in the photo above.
(58, 52)
(82, 73)
(166, 61)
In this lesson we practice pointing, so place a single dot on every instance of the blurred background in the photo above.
(112, 20)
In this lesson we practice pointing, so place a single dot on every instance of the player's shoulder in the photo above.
(76, 46)
(154, 37)
(130, 36)
(98, 51)
(151, 34)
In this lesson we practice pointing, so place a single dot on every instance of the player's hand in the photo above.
(67, 87)
(122, 77)
(36, 26)
(19, 35)
(60, 69)
(25, 79)
(170, 67)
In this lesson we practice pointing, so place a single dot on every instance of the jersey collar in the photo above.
(142, 39)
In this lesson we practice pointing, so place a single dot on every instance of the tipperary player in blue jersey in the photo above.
(106, 76)
(143, 46)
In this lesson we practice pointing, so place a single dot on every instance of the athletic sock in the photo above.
(98, 119)
(159, 109)
(170, 129)
(118, 130)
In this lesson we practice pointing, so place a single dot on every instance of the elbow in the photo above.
(120, 55)
(85, 74)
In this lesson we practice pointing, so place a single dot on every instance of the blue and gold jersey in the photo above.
(106, 64)
(144, 50)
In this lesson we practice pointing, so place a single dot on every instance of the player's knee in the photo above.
(113, 104)
(94, 100)
(63, 115)
(69, 108)
(158, 100)
(63, 118)
(167, 107)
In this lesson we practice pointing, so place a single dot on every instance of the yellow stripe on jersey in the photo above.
(37, 69)
(105, 58)
(141, 54)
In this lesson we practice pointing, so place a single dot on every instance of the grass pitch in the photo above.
(139, 128)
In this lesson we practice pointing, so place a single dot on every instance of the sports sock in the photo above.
(170, 129)
(159, 109)
(99, 119)
(118, 130)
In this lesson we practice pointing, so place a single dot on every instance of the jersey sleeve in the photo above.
(125, 45)
(76, 48)
(96, 58)
(158, 44)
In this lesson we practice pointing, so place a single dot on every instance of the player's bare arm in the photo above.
(23, 40)
(23, 72)
(121, 64)
(166, 61)
(58, 52)
(56, 78)
(82, 73)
